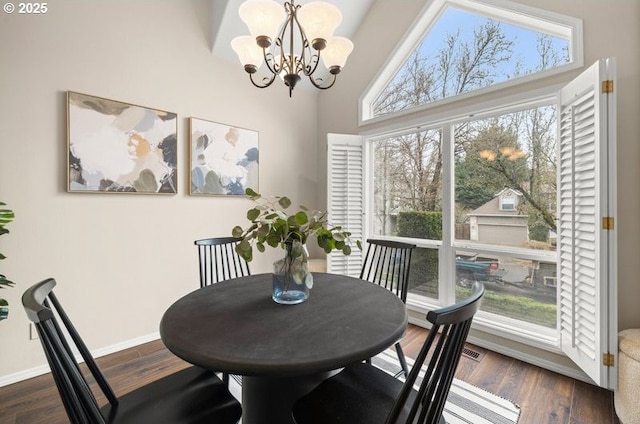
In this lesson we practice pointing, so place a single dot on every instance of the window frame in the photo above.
(512, 202)
(585, 133)
(508, 328)
(501, 10)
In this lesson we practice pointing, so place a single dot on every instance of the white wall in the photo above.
(610, 30)
(121, 260)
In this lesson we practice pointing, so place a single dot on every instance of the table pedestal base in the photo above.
(267, 400)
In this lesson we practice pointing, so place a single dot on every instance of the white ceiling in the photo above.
(226, 23)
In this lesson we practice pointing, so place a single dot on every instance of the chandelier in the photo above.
(291, 41)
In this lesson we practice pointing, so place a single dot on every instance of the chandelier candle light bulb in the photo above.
(291, 41)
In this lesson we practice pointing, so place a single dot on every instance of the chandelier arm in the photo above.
(305, 48)
(267, 84)
(311, 67)
(323, 87)
(270, 61)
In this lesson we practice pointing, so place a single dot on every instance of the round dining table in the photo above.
(282, 351)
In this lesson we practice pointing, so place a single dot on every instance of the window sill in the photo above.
(509, 329)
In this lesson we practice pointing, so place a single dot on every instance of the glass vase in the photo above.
(291, 276)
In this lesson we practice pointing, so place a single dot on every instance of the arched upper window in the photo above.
(459, 47)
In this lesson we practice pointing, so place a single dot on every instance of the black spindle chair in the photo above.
(364, 394)
(387, 263)
(219, 261)
(189, 396)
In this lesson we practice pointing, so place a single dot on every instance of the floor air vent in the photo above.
(472, 354)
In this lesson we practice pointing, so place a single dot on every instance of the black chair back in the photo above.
(387, 263)
(446, 339)
(81, 406)
(190, 396)
(365, 394)
(219, 261)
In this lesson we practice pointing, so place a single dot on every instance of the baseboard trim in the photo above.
(44, 369)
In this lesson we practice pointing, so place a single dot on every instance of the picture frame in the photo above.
(118, 147)
(224, 159)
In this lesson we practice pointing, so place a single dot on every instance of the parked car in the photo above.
(470, 269)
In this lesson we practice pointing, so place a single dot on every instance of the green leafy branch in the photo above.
(271, 225)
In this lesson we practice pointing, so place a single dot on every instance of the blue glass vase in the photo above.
(291, 277)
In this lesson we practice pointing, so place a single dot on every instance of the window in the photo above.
(508, 201)
(516, 259)
(460, 47)
(502, 191)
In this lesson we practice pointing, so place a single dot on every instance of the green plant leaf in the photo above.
(5, 282)
(263, 231)
(252, 214)
(237, 231)
(252, 193)
(273, 240)
(301, 218)
(284, 202)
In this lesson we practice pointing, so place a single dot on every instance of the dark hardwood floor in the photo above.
(544, 397)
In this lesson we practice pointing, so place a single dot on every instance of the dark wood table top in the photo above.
(235, 326)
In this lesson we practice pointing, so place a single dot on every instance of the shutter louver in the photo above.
(345, 197)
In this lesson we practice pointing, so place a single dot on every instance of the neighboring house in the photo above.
(499, 220)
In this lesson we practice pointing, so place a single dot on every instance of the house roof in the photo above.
(492, 207)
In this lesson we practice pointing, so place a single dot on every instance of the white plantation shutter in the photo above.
(345, 197)
(587, 284)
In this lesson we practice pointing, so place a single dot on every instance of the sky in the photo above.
(452, 19)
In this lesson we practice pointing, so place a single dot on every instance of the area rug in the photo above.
(466, 404)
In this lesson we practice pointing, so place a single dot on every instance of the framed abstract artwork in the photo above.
(224, 158)
(116, 147)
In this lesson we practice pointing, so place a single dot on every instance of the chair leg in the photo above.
(403, 362)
